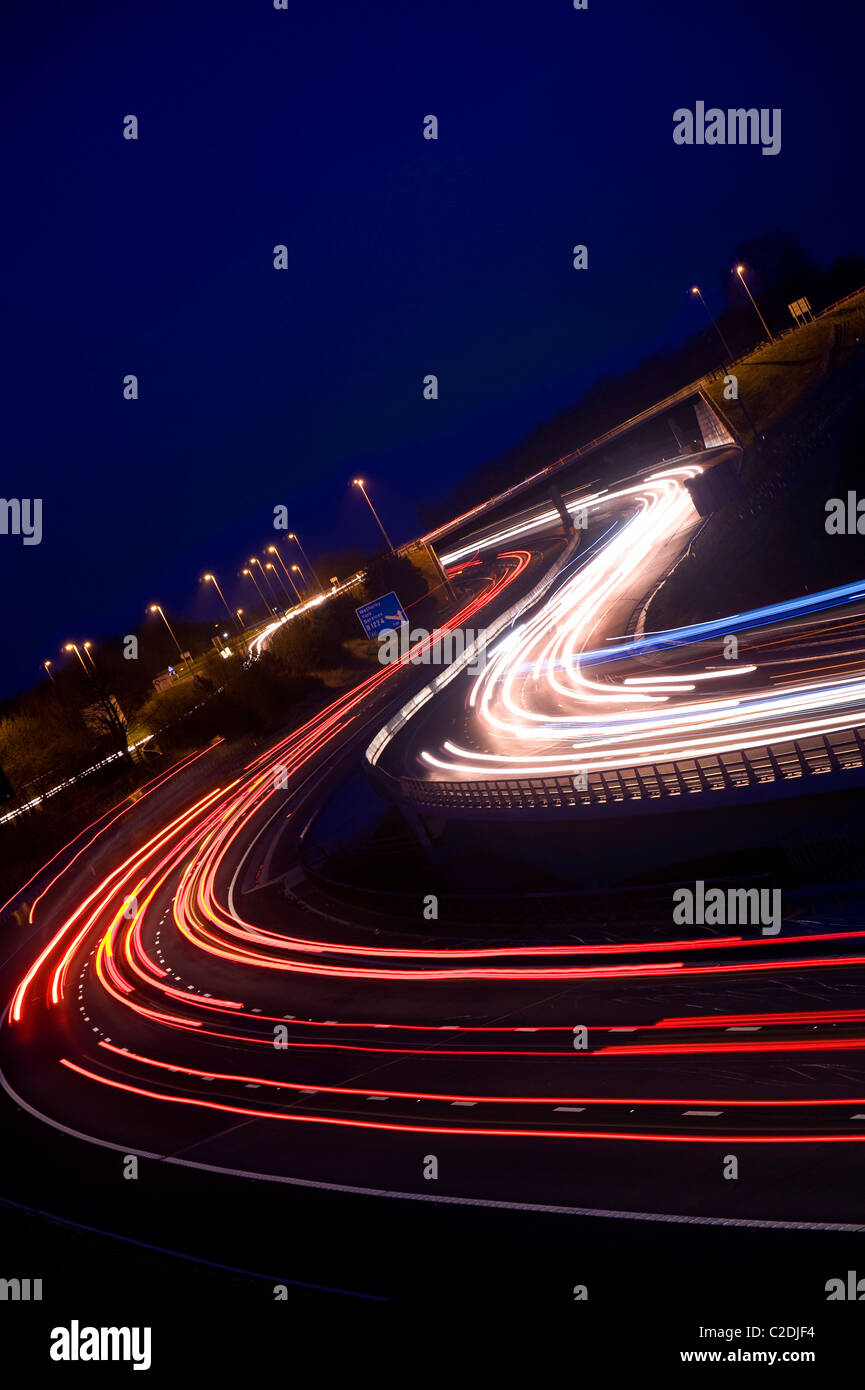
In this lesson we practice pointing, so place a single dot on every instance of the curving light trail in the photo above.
(157, 984)
(550, 702)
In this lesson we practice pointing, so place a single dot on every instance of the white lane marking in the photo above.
(669, 1218)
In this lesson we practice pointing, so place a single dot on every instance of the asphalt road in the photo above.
(179, 999)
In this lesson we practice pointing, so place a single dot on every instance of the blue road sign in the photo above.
(384, 612)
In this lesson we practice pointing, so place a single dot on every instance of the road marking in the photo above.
(463, 1102)
(496, 1204)
(702, 1112)
(574, 1109)
(744, 1028)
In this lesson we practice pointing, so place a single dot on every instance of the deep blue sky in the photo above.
(304, 127)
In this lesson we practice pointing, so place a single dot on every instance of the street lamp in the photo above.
(293, 537)
(254, 560)
(358, 482)
(213, 580)
(272, 550)
(258, 587)
(71, 647)
(300, 572)
(47, 665)
(695, 289)
(114, 720)
(155, 608)
(740, 272)
(88, 653)
(278, 576)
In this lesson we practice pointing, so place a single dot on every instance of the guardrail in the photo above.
(795, 760)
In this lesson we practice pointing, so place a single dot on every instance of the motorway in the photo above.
(181, 1000)
(568, 687)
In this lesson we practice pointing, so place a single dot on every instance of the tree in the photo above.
(387, 572)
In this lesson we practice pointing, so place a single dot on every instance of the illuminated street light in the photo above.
(300, 572)
(155, 608)
(278, 576)
(272, 550)
(114, 720)
(254, 560)
(740, 272)
(258, 587)
(695, 289)
(358, 482)
(71, 647)
(47, 665)
(213, 580)
(293, 537)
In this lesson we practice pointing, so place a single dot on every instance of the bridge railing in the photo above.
(795, 760)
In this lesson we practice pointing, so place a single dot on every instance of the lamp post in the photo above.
(260, 594)
(740, 272)
(71, 647)
(278, 578)
(296, 539)
(213, 580)
(155, 608)
(47, 665)
(272, 550)
(358, 482)
(695, 289)
(254, 560)
(113, 719)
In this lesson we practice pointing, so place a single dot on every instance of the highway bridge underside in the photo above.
(362, 840)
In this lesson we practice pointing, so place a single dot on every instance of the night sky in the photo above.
(407, 256)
